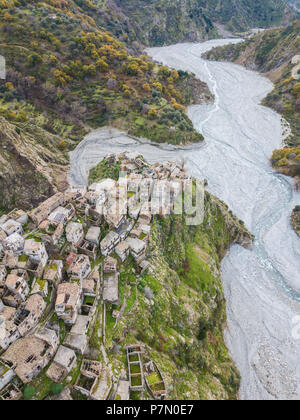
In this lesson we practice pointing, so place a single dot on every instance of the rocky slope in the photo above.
(295, 220)
(29, 170)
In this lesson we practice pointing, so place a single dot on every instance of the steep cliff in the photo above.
(30, 171)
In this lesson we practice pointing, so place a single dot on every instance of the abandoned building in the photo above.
(28, 356)
(53, 272)
(79, 266)
(111, 288)
(64, 361)
(17, 283)
(122, 250)
(14, 244)
(110, 265)
(109, 243)
(75, 233)
(93, 235)
(137, 249)
(29, 313)
(11, 226)
(42, 212)
(68, 302)
(36, 250)
(95, 380)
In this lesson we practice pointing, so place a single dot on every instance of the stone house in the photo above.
(110, 265)
(36, 251)
(53, 272)
(62, 364)
(78, 266)
(17, 284)
(40, 287)
(76, 342)
(115, 213)
(81, 325)
(9, 332)
(42, 212)
(93, 235)
(109, 243)
(95, 380)
(88, 248)
(14, 244)
(11, 226)
(122, 250)
(89, 287)
(137, 249)
(124, 229)
(75, 233)
(30, 355)
(53, 229)
(29, 313)
(111, 288)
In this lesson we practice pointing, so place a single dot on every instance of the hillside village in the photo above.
(60, 274)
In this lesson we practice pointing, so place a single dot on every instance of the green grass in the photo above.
(131, 300)
(153, 378)
(196, 273)
(135, 368)
(43, 386)
(103, 171)
(136, 381)
(133, 358)
(23, 258)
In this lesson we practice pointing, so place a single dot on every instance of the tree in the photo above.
(164, 72)
(102, 65)
(146, 87)
(34, 59)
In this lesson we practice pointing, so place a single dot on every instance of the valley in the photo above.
(142, 305)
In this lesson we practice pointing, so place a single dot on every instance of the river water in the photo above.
(262, 286)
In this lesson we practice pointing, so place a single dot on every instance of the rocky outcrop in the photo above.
(160, 22)
(29, 172)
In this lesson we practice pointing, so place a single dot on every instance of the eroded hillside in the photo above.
(29, 170)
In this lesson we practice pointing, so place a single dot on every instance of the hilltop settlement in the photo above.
(60, 273)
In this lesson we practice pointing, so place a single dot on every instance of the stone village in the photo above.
(60, 262)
